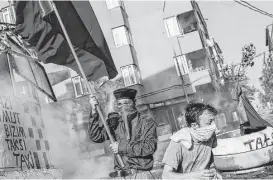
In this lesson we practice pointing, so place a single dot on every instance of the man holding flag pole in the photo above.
(49, 28)
(135, 136)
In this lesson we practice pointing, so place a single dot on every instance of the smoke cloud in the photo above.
(71, 149)
(221, 100)
(69, 146)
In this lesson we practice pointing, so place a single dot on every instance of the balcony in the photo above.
(197, 60)
(199, 77)
(189, 43)
(194, 67)
(112, 4)
(131, 75)
(181, 24)
(187, 22)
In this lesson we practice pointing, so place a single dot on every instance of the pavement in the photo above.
(265, 172)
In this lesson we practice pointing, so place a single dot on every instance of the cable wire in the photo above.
(254, 9)
(251, 8)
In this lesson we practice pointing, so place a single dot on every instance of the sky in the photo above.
(234, 26)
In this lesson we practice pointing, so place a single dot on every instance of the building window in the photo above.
(35, 93)
(80, 87)
(114, 3)
(181, 65)
(131, 75)
(121, 36)
(13, 15)
(187, 22)
(8, 14)
(181, 24)
(7, 20)
(172, 27)
(24, 90)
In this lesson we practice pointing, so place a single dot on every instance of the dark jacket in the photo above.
(137, 153)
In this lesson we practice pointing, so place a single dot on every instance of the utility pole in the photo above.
(180, 73)
(182, 80)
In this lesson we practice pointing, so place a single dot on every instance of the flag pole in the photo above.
(84, 77)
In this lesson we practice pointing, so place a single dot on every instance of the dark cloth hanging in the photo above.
(43, 33)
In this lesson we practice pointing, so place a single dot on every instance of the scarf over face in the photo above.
(186, 135)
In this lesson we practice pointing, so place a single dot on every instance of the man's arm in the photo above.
(144, 147)
(96, 132)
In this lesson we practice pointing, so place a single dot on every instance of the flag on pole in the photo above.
(37, 24)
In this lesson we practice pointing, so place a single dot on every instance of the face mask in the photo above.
(124, 111)
(127, 109)
(203, 134)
